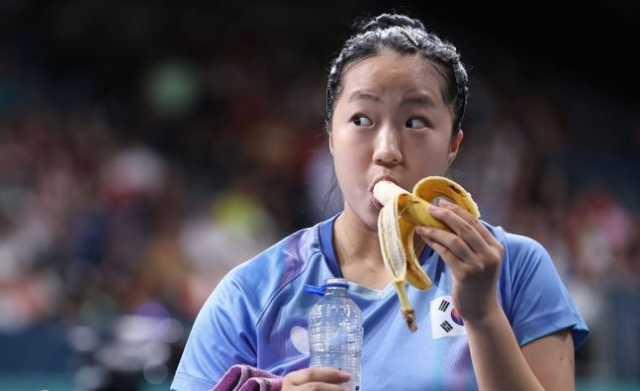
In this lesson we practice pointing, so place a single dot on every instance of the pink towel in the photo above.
(248, 378)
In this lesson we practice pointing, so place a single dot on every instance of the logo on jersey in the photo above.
(445, 320)
(300, 339)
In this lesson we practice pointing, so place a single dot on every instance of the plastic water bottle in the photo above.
(335, 330)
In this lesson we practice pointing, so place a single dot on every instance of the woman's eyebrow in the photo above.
(419, 100)
(364, 95)
(416, 100)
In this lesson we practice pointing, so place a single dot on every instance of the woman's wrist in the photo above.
(485, 319)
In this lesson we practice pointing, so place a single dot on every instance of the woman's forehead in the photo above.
(387, 73)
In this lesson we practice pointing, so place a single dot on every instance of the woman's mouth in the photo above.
(375, 202)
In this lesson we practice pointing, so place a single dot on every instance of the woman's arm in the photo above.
(222, 335)
(475, 257)
(500, 364)
(552, 360)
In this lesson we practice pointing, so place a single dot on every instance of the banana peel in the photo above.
(401, 213)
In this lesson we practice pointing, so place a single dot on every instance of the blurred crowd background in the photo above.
(147, 147)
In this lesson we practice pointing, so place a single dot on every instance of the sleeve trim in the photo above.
(550, 324)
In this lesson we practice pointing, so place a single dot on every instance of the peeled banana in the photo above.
(401, 213)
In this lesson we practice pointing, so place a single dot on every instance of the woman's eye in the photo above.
(416, 123)
(361, 120)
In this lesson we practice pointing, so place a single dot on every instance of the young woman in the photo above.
(396, 96)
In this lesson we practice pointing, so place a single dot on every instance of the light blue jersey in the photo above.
(258, 316)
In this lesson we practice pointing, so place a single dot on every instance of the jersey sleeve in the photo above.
(223, 335)
(540, 304)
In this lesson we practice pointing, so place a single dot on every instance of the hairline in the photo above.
(380, 49)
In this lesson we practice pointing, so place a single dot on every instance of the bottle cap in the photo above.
(336, 282)
(328, 283)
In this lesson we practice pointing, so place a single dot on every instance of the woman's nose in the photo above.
(387, 149)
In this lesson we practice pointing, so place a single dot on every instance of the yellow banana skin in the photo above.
(402, 212)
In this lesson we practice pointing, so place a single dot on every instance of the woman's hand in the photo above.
(474, 256)
(316, 379)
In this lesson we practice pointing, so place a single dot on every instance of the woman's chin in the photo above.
(367, 218)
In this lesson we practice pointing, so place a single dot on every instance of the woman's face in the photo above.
(390, 122)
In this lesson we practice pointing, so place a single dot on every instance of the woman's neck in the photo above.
(354, 242)
(357, 249)
(358, 252)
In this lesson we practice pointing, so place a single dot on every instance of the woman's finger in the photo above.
(485, 245)
(451, 243)
(471, 220)
(323, 386)
(455, 263)
(460, 222)
(314, 375)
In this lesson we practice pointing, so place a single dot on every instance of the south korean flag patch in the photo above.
(445, 320)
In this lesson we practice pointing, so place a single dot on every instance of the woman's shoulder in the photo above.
(277, 265)
(517, 245)
(250, 287)
(524, 260)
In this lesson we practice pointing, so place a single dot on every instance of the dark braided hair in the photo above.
(403, 35)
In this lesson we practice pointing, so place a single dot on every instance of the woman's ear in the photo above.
(454, 147)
